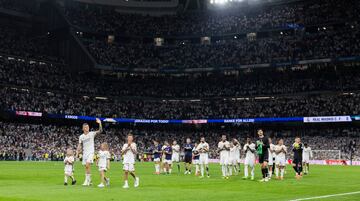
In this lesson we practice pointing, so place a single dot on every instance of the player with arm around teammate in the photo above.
(188, 149)
(203, 149)
(249, 149)
(86, 142)
(129, 151)
(280, 159)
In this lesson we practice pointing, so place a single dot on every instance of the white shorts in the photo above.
(88, 158)
(129, 167)
(280, 161)
(224, 160)
(168, 161)
(196, 162)
(204, 160)
(175, 158)
(102, 168)
(156, 159)
(271, 160)
(249, 161)
(68, 170)
(306, 159)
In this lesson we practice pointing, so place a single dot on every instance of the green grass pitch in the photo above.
(43, 181)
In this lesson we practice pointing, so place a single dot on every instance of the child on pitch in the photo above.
(103, 164)
(69, 167)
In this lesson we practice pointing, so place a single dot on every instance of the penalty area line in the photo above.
(327, 196)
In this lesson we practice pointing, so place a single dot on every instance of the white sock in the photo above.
(277, 171)
(157, 168)
(126, 183)
(282, 170)
(170, 170)
(202, 170)
(66, 179)
(230, 170)
(223, 170)
(270, 174)
(246, 171)
(165, 170)
(253, 171)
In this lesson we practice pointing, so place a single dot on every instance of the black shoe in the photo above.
(65, 184)
(73, 182)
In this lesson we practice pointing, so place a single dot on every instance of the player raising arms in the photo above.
(297, 161)
(262, 146)
(176, 154)
(203, 149)
(280, 159)
(188, 148)
(168, 155)
(157, 156)
(307, 155)
(69, 167)
(103, 164)
(129, 151)
(86, 141)
(224, 148)
(250, 150)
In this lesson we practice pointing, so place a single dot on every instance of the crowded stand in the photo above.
(20, 141)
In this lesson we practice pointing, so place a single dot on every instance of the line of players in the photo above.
(86, 146)
(271, 157)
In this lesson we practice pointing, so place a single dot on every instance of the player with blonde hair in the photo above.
(103, 164)
(69, 167)
(129, 151)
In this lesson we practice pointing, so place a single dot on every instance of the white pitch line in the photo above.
(327, 196)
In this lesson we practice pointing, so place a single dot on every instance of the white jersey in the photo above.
(175, 150)
(307, 154)
(249, 154)
(249, 150)
(201, 149)
(272, 151)
(224, 153)
(282, 154)
(87, 142)
(69, 162)
(103, 157)
(280, 158)
(129, 156)
(237, 152)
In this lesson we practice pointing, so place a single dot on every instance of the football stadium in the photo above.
(176, 100)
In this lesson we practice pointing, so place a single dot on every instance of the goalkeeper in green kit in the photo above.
(262, 146)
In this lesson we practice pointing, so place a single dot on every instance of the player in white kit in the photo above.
(232, 160)
(307, 155)
(129, 151)
(224, 149)
(280, 159)
(86, 142)
(250, 150)
(176, 155)
(271, 151)
(203, 149)
(103, 164)
(237, 155)
(69, 167)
